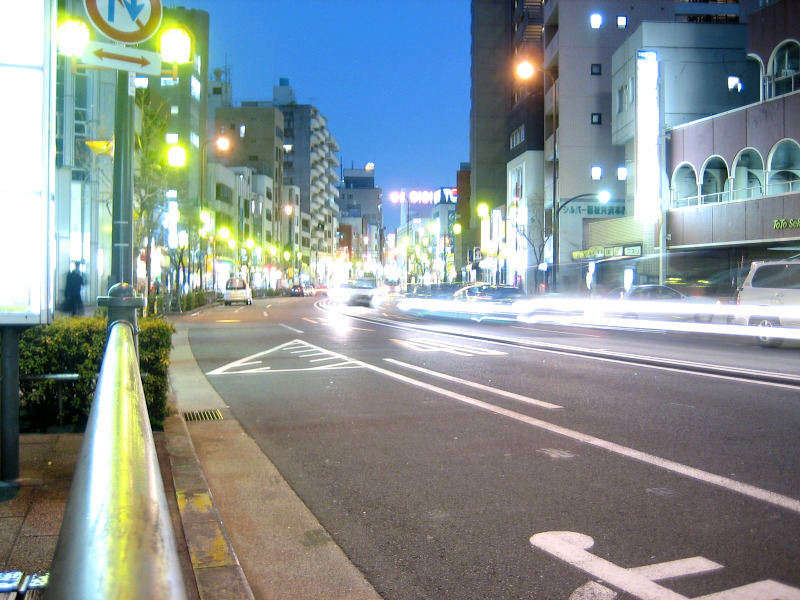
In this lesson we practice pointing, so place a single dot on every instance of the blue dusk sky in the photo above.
(391, 77)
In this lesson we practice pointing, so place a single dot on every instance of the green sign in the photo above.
(786, 223)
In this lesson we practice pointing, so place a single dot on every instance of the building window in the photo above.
(174, 110)
(517, 137)
(597, 119)
(622, 173)
(252, 158)
(194, 139)
(596, 20)
(172, 138)
(620, 99)
(622, 21)
(597, 172)
(597, 69)
(196, 88)
(169, 81)
(241, 131)
(279, 132)
(141, 82)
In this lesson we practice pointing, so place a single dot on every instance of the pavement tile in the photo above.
(223, 583)
(33, 459)
(15, 501)
(46, 513)
(208, 546)
(189, 476)
(33, 553)
(9, 530)
(196, 505)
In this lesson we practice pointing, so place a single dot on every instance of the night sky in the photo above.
(391, 77)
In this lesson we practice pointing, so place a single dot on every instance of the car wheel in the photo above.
(765, 336)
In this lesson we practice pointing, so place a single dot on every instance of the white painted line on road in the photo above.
(291, 328)
(431, 345)
(240, 308)
(555, 332)
(235, 368)
(326, 358)
(732, 485)
(478, 386)
(310, 320)
(265, 313)
(194, 314)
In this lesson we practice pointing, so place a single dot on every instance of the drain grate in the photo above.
(203, 415)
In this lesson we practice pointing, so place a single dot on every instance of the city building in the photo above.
(310, 163)
(554, 128)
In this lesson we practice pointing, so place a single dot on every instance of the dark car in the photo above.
(653, 301)
(297, 290)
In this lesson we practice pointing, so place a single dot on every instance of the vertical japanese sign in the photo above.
(27, 161)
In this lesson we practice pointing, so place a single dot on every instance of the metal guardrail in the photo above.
(116, 538)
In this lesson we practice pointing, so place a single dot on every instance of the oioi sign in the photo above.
(125, 21)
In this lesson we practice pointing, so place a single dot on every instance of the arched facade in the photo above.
(714, 181)
(784, 69)
(685, 191)
(784, 167)
(748, 175)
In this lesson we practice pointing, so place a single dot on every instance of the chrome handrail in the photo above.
(116, 538)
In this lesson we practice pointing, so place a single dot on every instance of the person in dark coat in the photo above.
(72, 292)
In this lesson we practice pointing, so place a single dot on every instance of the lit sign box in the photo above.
(417, 197)
(27, 119)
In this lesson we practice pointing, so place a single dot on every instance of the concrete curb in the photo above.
(217, 571)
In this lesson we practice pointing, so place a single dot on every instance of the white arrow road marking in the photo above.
(479, 386)
(639, 582)
(296, 349)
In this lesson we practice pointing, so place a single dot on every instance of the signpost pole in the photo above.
(122, 208)
(9, 409)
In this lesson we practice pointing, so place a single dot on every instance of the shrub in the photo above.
(76, 345)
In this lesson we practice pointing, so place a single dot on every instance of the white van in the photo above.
(770, 298)
(237, 290)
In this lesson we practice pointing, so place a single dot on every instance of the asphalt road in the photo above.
(505, 461)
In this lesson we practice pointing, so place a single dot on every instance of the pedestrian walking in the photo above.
(74, 302)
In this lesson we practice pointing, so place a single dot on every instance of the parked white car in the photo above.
(237, 290)
(770, 298)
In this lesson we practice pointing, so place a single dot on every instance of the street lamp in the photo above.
(525, 71)
(603, 197)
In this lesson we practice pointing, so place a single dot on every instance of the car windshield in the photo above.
(363, 284)
(236, 284)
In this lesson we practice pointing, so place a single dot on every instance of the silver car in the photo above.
(770, 298)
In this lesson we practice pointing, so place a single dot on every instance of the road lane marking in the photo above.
(431, 345)
(229, 320)
(555, 332)
(745, 489)
(290, 328)
(475, 385)
(240, 308)
(640, 582)
(297, 350)
(265, 313)
(310, 320)
(556, 453)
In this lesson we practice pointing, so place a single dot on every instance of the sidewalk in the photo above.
(283, 550)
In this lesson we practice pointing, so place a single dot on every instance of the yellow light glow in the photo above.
(176, 156)
(287, 255)
(457, 229)
(205, 216)
(231, 243)
(299, 255)
(249, 243)
(176, 45)
(483, 210)
(223, 143)
(273, 250)
(288, 209)
(73, 35)
(224, 233)
(525, 70)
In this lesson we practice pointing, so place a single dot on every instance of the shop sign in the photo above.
(786, 223)
(632, 250)
(593, 252)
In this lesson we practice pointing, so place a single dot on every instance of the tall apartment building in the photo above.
(557, 138)
(310, 163)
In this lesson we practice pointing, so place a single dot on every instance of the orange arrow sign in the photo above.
(140, 60)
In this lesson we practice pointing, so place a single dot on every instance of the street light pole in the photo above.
(602, 196)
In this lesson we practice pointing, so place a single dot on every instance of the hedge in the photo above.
(76, 345)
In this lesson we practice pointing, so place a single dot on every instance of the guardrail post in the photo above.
(122, 302)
